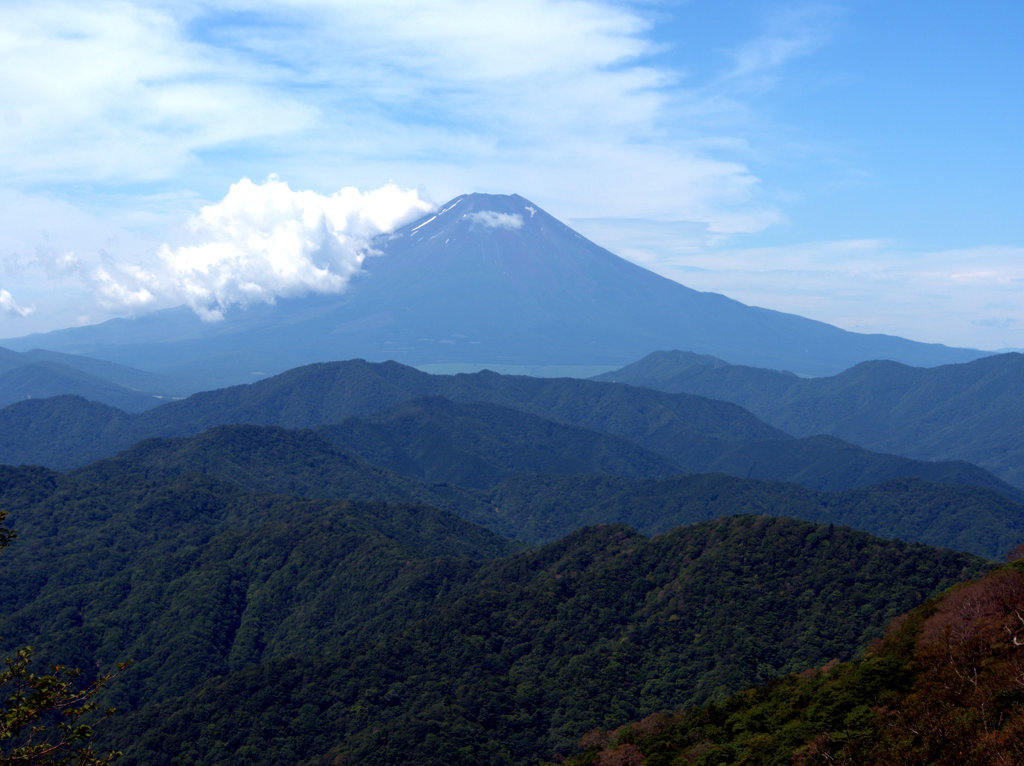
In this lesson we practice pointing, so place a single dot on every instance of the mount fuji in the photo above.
(488, 280)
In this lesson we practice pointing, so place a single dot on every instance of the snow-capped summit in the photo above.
(478, 211)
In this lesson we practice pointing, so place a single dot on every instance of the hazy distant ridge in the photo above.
(972, 411)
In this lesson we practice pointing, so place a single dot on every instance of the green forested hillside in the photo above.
(298, 596)
(321, 394)
(275, 460)
(62, 432)
(824, 462)
(942, 689)
(522, 656)
(169, 572)
(267, 629)
(478, 444)
(327, 394)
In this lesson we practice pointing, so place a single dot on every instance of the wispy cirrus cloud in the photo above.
(789, 33)
(118, 92)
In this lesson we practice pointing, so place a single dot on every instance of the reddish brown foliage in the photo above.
(623, 755)
(820, 670)
(966, 704)
(617, 747)
(989, 609)
(821, 751)
(652, 724)
(595, 738)
(1016, 553)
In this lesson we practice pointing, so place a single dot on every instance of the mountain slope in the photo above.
(325, 394)
(197, 576)
(542, 508)
(125, 377)
(489, 279)
(502, 668)
(62, 432)
(275, 460)
(539, 508)
(41, 380)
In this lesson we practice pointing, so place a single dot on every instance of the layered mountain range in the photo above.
(532, 458)
(360, 562)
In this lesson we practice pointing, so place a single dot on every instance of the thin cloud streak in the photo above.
(9, 306)
(790, 33)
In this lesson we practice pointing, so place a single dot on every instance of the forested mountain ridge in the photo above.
(62, 432)
(541, 508)
(972, 411)
(941, 689)
(477, 444)
(130, 567)
(230, 602)
(275, 460)
(961, 518)
(325, 394)
(692, 432)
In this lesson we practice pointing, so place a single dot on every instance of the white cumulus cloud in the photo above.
(261, 242)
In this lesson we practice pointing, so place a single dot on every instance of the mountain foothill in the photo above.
(682, 560)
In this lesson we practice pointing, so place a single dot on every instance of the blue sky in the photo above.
(857, 162)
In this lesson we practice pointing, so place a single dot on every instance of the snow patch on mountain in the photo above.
(496, 220)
